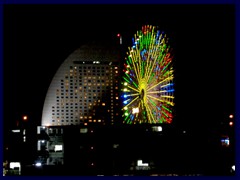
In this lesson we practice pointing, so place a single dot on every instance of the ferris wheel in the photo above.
(148, 86)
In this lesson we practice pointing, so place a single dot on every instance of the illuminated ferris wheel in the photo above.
(147, 87)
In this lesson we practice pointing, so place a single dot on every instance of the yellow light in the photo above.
(125, 108)
(126, 114)
(125, 89)
(125, 84)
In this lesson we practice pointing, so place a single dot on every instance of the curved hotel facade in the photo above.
(85, 88)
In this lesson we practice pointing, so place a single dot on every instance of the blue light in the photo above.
(124, 102)
(124, 95)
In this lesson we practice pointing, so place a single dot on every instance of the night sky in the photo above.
(38, 38)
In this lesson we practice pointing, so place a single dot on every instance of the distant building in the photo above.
(85, 88)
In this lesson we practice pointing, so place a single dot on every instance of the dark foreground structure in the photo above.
(129, 150)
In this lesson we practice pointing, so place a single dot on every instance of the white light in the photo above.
(43, 141)
(16, 131)
(14, 164)
(58, 148)
(125, 83)
(38, 164)
(233, 167)
(139, 163)
(159, 128)
(135, 110)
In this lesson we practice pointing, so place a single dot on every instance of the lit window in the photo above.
(58, 148)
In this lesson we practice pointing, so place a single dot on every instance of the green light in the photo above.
(167, 109)
(126, 79)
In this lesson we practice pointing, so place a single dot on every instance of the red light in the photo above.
(118, 35)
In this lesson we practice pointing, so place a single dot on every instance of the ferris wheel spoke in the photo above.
(127, 95)
(136, 69)
(136, 90)
(157, 114)
(151, 67)
(166, 79)
(150, 114)
(158, 99)
(149, 53)
(131, 102)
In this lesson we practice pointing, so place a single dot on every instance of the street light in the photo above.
(25, 117)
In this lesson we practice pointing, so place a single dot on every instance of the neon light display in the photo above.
(147, 86)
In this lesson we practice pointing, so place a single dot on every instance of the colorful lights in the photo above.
(148, 79)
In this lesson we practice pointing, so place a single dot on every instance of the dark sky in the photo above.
(38, 38)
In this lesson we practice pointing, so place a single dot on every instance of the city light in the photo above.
(58, 148)
(140, 163)
(38, 164)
